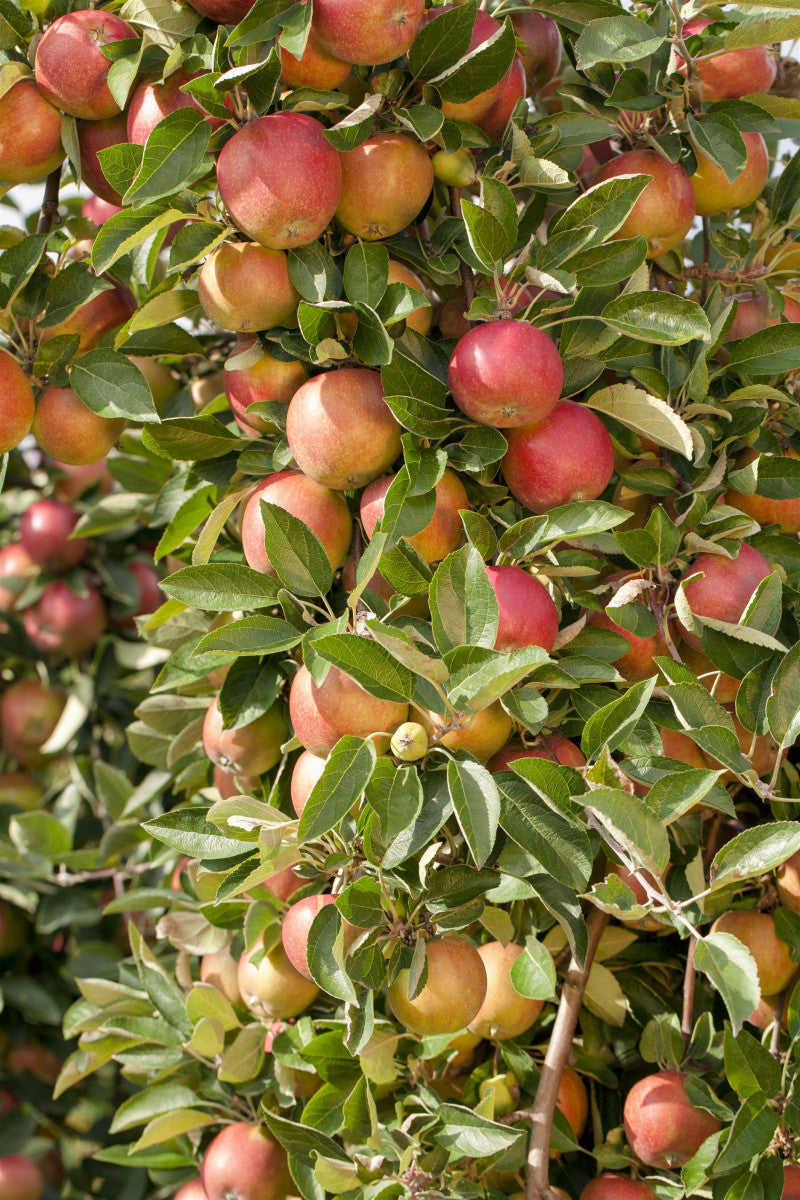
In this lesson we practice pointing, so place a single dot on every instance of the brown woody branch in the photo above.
(689, 980)
(50, 202)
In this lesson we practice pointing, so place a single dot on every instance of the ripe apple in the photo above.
(233, 785)
(617, 1187)
(494, 121)
(567, 456)
(648, 923)
(663, 1127)
(94, 136)
(220, 969)
(307, 771)
(20, 1178)
(504, 1013)
(69, 431)
(639, 661)
(550, 746)
(413, 606)
(452, 995)
(506, 374)
(324, 511)
(715, 194)
(244, 286)
(723, 687)
(322, 415)
(284, 884)
(573, 1101)
(93, 319)
(756, 930)
(753, 312)
(664, 212)
(419, 318)
(791, 1182)
(148, 588)
(273, 988)
(30, 1057)
(763, 509)
(322, 714)
(192, 1190)
(45, 531)
(258, 377)
(681, 748)
(314, 69)
(66, 622)
(481, 733)
(229, 12)
(74, 481)
(297, 925)
(97, 210)
(16, 569)
(13, 930)
(20, 789)
(251, 749)
(473, 110)
(280, 179)
(723, 589)
(151, 102)
(386, 181)
(367, 31)
(788, 883)
(16, 403)
(444, 531)
(735, 73)
(70, 67)
(541, 53)
(29, 712)
(527, 614)
(244, 1163)
(26, 159)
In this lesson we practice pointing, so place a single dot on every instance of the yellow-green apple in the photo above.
(244, 286)
(16, 569)
(765, 509)
(305, 775)
(367, 31)
(735, 73)
(21, 789)
(567, 456)
(45, 531)
(756, 931)
(323, 510)
(324, 412)
(788, 882)
(409, 742)
(663, 1127)
(251, 749)
(151, 102)
(16, 403)
(64, 621)
(715, 193)
(617, 1187)
(252, 376)
(296, 927)
(456, 170)
(506, 374)
(664, 212)
(220, 969)
(314, 69)
(20, 1178)
(504, 1090)
(482, 733)
(385, 182)
(723, 587)
(244, 1163)
(69, 431)
(551, 746)
(94, 136)
(272, 987)
(29, 712)
(280, 179)
(527, 614)
(541, 47)
(444, 531)
(323, 713)
(504, 1013)
(70, 67)
(453, 993)
(30, 134)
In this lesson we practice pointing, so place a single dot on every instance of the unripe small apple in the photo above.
(456, 170)
(410, 742)
(505, 1090)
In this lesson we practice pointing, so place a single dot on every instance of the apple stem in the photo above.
(689, 978)
(558, 1051)
(50, 202)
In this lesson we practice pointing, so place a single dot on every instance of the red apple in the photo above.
(272, 987)
(324, 511)
(251, 749)
(314, 69)
(252, 376)
(472, 110)
(93, 319)
(753, 312)
(45, 531)
(94, 136)
(24, 159)
(494, 121)
(734, 74)
(338, 706)
(541, 53)
(64, 621)
(756, 931)
(367, 31)
(573, 1101)
(724, 586)
(16, 403)
(453, 994)
(244, 286)
(151, 102)
(307, 771)
(528, 616)
(233, 785)
(74, 481)
(193, 1190)
(280, 179)
(98, 211)
(284, 884)
(617, 1187)
(662, 1125)
(444, 531)
(385, 183)
(638, 662)
(70, 67)
(29, 712)
(505, 374)
(244, 1163)
(567, 456)
(504, 1013)
(297, 925)
(16, 569)
(30, 1057)
(715, 193)
(69, 431)
(665, 210)
(20, 1178)
(228, 11)
(550, 746)
(791, 1182)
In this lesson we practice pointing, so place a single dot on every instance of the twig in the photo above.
(558, 1051)
(706, 257)
(467, 278)
(689, 979)
(775, 1037)
(50, 202)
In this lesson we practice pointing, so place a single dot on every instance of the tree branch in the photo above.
(689, 979)
(572, 990)
(50, 202)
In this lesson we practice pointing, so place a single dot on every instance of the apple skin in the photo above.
(69, 431)
(315, 69)
(26, 159)
(220, 969)
(506, 374)
(32, 1058)
(280, 180)
(473, 110)
(150, 595)
(324, 412)
(45, 531)
(680, 746)
(552, 747)
(16, 403)
(616, 1187)
(664, 212)
(29, 712)
(17, 565)
(273, 988)
(74, 481)
(297, 925)
(788, 883)
(791, 1182)
(494, 121)
(386, 181)
(763, 509)
(321, 715)
(93, 319)
(20, 1178)
(637, 663)
(324, 511)
(715, 194)
(444, 531)
(20, 789)
(66, 622)
(192, 1190)
(244, 286)
(419, 319)
(753, 313)
(151, 102)
(250, 750)
(98, 211)
(756, 930)
(527, 614)
(233, 785)
(284, 884)
(504, 1013)
(662, 1126)
(725, 587)
(541, 54)
(266, 379)
(13, 931)
(229, 12)
(94, 136)
(244, 1163)
(453, 994)
(734, 74)
(482, 733)
(365, 32)
(70, 67)
(307, 771)
(573, 1101)
(567, 456)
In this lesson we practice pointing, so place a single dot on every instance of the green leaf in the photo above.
(621, 39)
(251, 635)
(755, 852)
(562, 848)
(749, 1066)
(346, 774)
(487, 237)
(187, 831)
(473, 1136)
(366, 273)
(218, 587)
(644, 414)
(771, 351)
(442, 41)
(190, 439)
(463, 604)
(533, 973)
(731, 968)
(112, 386)
(479, 70)
(173, 156)
(476, 803)
(633, 825)
(295, 552)
(753, 1128)
(368, 663)
(608, 727)
(152, 1102)
(326, 954)
(604, 207)
(659, 318)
